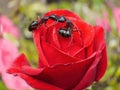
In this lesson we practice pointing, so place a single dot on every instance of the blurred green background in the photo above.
(22, 12)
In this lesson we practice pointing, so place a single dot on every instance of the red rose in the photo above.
(65, 63)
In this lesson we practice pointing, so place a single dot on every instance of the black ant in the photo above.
(38, 22)
(67, 30)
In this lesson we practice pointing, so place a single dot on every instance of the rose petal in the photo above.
(56, 56)
(102, 66)
(87, 32)
(38, 84)
(63, 76)
(99, 38)
(21, 65)
(80, 54)
(97, 43)
(18, 62)
(90, 49)
(96, 71)
(90, 75)
(37, 41)
(100, 45)
(55, 40)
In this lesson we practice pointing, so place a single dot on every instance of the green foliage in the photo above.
(28, 48)
(2, 86)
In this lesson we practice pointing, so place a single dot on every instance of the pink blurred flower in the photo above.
(8, 53)
(116, 12)
(104, 22)
(8, 26)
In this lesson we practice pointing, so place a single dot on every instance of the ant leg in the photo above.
(71, 39)
(46, 25)
(77, 30)
(74, 30)
(54, 23)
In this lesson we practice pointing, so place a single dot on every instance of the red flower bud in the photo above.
(72, 53)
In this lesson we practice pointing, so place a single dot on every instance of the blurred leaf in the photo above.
(31, 9)
(2, 86)
(28, 48)
(65, 5)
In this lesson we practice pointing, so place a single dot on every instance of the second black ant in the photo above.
(44, 20)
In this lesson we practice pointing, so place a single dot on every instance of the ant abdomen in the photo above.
(64, 33)
(53, 17)
(61, 19)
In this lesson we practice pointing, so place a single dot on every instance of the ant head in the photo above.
(69, 23)
(33, 25)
